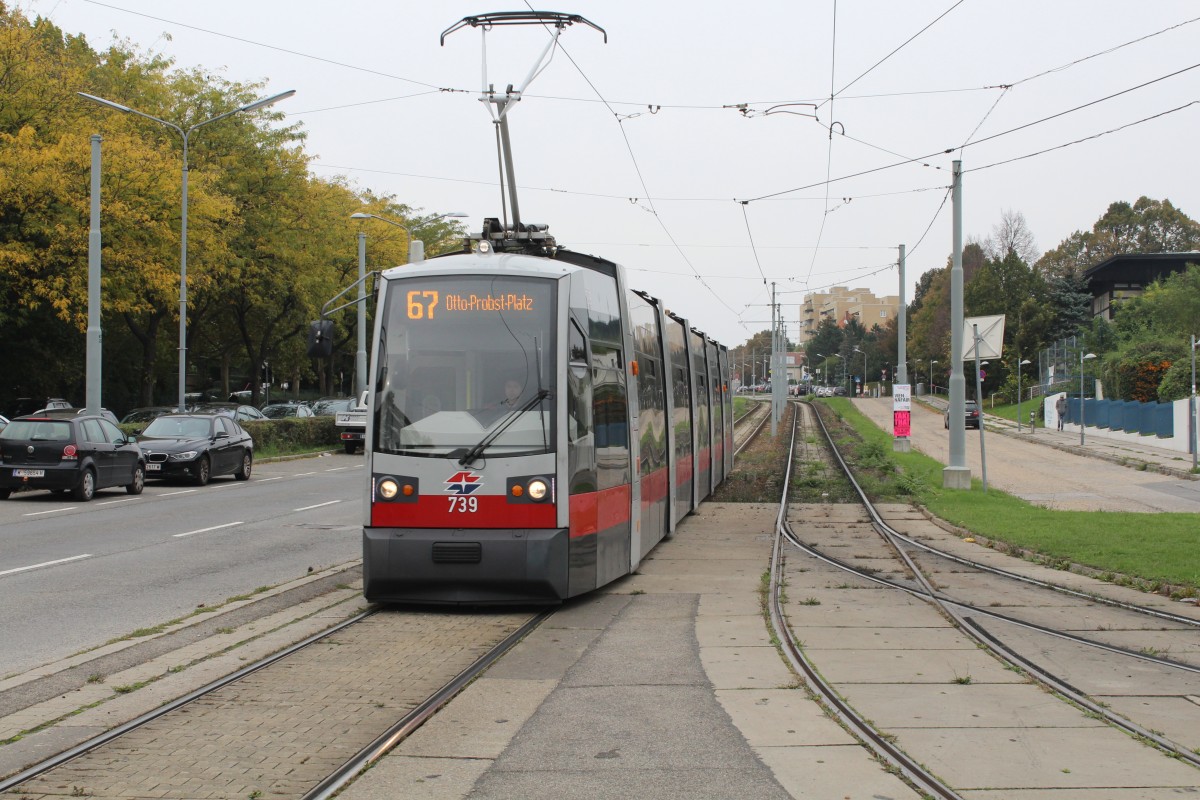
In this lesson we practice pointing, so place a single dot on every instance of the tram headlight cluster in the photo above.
(399, 489)
(538, 489)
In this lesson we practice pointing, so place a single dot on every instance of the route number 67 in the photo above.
(421, 304)
(464, 505)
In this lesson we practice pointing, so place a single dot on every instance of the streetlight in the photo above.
(257, 104)
(1019, 365)
(932, 361)
(416, 248)
(1082, 358)
(864, 375)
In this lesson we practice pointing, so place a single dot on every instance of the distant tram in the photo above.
(535, 427)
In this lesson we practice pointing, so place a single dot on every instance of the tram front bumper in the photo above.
(465, 566)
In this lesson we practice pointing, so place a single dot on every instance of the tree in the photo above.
(1011, 235)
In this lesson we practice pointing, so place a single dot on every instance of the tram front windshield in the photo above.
(463, 359)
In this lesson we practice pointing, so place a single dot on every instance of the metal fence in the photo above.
(1148, 419)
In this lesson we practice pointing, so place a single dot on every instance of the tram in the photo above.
(535, 427)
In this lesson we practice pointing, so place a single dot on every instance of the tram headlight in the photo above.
(538, 489)
(388, 488)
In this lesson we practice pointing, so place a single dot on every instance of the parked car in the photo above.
(78, 454)
(196, 447)
(146, 414)
(240, 412)
(3, 422)
(973, 416)
(68, 413)
(330, 406)
(284, 410)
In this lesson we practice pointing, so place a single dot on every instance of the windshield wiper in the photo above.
(477, 450)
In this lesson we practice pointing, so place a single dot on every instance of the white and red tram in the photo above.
(535, 428)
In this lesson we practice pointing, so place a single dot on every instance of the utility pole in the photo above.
(957, 475)
(94, 336)
(902, 444)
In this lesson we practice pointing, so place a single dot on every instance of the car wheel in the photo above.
(4, 493)
(203, 471)
(350, 447)
(139, 480)
(243, 474)
(87, 486)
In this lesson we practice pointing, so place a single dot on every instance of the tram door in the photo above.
(601, 491)
(702, 396)
(718, 415)
(653, 473)
(675, 336)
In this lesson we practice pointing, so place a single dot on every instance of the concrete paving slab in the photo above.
(738, 604)
(863, 609)
(746, 668)
(1097, 793)
(977, 705)
(841, 772)
(1096, 672)
(876, 639)
(780, 718)
(910, 666)
(665, 648)
(1049, 758)
(594, 612)
(1173, 717)
(727, 630)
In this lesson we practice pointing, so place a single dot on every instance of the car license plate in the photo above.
(29, 473)
(153, 467)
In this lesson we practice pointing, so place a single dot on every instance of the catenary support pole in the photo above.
(902, 444)
(957, 475)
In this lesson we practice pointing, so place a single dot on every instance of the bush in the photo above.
(289, 435)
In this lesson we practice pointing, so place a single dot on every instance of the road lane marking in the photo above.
(122, 500)
(318, 505)
(301, 474)
(45, 564)
(51, 511)
(182, 491)
(206, 530)
(265, 480)
(336, 469)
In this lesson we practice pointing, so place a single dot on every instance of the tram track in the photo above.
(330, 700)
(106, 765)
(918, 574)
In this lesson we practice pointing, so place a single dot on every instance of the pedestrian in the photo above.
(1060, 408)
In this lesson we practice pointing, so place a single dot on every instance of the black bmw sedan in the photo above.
(196, 447)
(78, 454)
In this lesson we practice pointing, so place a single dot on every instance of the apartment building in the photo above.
(841, 305)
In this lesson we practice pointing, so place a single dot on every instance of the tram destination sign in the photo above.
(426, 304)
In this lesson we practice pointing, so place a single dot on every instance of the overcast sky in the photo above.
(633, 149)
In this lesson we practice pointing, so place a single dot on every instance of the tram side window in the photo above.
(579, 388)
(610, 415)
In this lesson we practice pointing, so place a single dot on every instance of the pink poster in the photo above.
(900, 423)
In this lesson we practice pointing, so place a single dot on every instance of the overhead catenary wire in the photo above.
(946, 151)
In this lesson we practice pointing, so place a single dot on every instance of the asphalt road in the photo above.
(75, 575)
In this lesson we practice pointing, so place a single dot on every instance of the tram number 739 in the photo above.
(464, 505)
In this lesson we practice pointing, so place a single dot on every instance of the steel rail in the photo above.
(758, 429)
(150, 716)
(997, 646)
(879, 746)
(410, 722)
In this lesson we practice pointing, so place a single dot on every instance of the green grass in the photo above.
(1157, 548)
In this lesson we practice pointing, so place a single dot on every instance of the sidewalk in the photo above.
(1134, 454)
